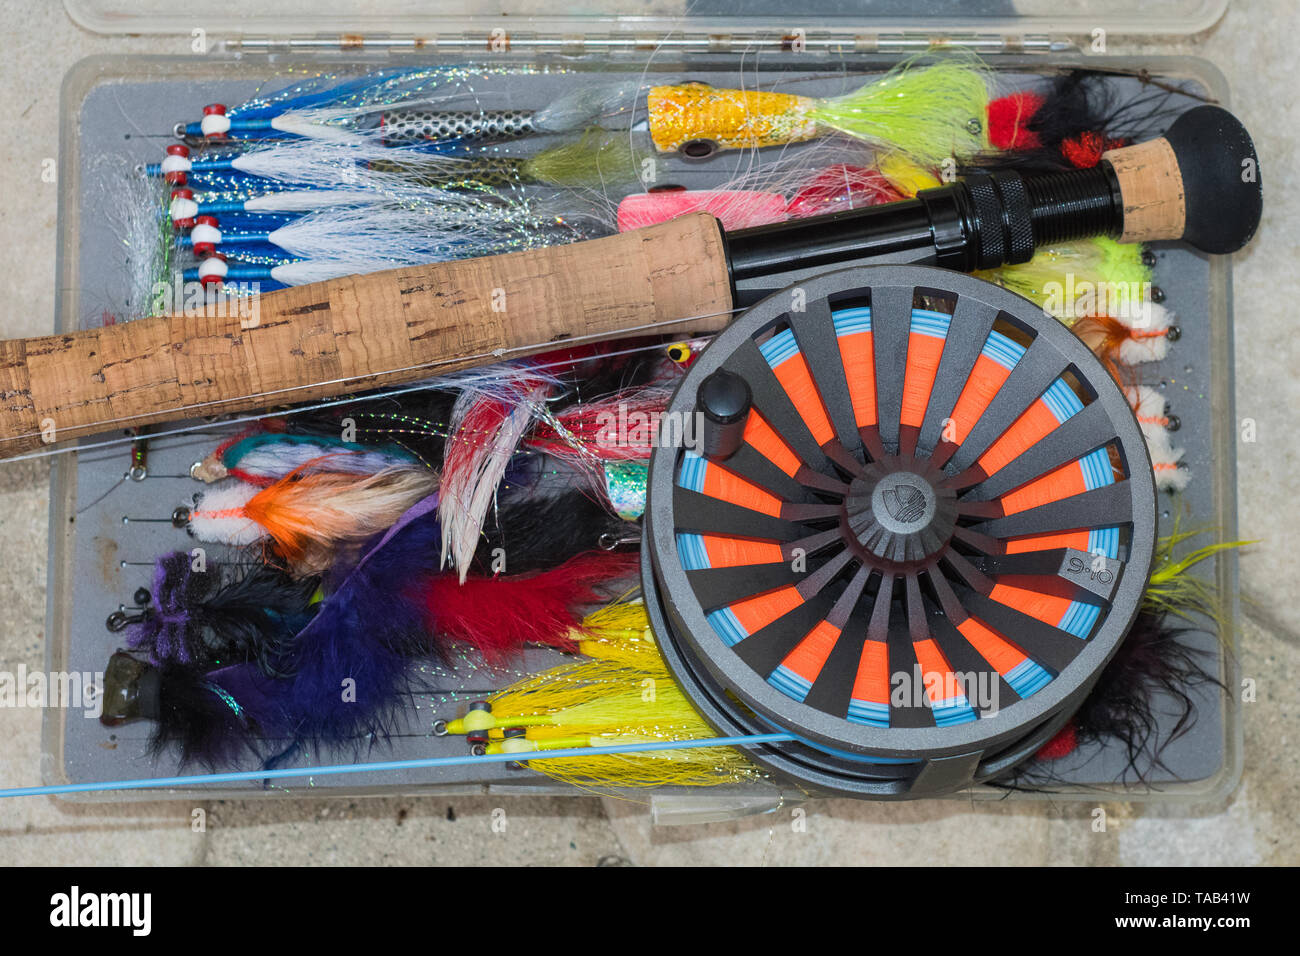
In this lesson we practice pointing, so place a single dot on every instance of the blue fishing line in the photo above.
(240, 776)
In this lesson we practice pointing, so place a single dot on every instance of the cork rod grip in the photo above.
(1155, 204)
(330, 338)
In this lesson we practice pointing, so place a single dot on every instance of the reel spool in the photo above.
(917, 524)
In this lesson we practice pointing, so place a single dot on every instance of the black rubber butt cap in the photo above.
(1221, 181)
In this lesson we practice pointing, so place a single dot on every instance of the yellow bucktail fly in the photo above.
(1085, 277)
(905, 175)
(1173, 590)
(624, 696)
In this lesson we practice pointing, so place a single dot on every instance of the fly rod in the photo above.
(1198, 183)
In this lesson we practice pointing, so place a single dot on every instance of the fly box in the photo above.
(108, 525)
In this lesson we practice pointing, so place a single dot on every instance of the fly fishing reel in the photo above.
(915, 521)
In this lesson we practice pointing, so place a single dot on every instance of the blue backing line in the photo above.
(385, 766)
(694, 556)
(1081, 617)
(789, 683)
(925, 322)
(779, 347)
(727, 627)
(1002, 350)
(1097, 472)
(1027, 677)
(691, 474)
(954, 710)
(1096, 469)
(1105, 540)
(868, 712)
(1061, 401)
(852, 321)
(691, 550)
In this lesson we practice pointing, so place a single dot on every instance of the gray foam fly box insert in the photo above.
(108, 529)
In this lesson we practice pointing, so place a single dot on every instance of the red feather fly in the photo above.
(620, 426)
(1009, 118)
(497, 615)
(838, 188)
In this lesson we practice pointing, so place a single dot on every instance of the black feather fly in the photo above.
(1154, 669)
(1142, 702)
(204, 615)
(1071, 123)
(534, 530)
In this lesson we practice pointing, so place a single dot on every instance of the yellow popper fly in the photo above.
(931, 113)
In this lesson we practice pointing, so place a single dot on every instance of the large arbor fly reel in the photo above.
(918, 521)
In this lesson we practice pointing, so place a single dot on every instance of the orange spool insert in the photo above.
(798, 383)
(923, 355)
(859, 358)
